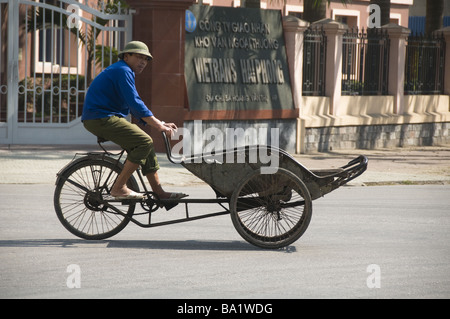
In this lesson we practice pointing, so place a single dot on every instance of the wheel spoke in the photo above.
(79, 200)
(270, 210)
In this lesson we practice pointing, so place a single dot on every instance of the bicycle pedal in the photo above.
(169, 206)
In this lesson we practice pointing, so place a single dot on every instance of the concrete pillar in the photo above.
(293, 34)
(397, 55)
(161, 25)
(333, 83)
(446, 33)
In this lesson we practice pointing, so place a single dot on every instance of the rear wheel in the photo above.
(79, 199)
(271, 210)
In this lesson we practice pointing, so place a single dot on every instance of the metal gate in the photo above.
(50, 52)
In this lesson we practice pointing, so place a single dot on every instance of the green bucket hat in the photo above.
(136, 47)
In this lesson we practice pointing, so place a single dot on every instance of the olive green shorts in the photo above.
(129, 136)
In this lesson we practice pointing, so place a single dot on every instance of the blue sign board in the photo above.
(191, 22)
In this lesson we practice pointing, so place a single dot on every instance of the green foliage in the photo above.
(41, 97)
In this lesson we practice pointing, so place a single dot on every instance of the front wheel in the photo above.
(79, 199)
(271, 210)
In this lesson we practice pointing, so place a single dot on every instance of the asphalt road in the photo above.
(363, 242)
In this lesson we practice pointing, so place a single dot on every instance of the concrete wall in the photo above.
(369, 122)
(324, 139)
(338, 122)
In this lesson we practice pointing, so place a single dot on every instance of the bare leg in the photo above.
(120, 188)
(155, 184)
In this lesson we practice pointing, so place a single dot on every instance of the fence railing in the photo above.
(314, 52)
(424, 65)
(63, 52)
(365, 62)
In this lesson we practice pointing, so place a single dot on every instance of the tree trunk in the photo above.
(385, 10)
(314, 10)
(252, 4)
(434, 15)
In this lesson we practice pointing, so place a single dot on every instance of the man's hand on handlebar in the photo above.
(168, 128)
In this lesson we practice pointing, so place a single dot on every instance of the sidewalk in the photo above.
(38, 164)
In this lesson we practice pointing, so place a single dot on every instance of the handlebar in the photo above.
(171, 158)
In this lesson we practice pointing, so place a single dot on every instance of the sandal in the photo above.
(177, 195)
(171, 200)
(131, 195)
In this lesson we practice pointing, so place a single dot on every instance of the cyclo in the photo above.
(267, 210)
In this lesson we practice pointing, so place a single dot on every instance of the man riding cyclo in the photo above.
(111, 96)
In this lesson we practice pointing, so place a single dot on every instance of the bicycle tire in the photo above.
(271, 210)
(78, 195)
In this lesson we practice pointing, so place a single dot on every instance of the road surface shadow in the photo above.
(140, 244)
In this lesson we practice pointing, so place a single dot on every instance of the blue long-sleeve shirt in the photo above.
(113, 92)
